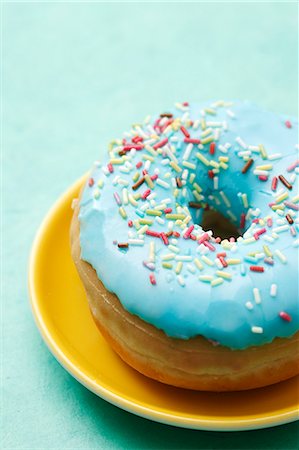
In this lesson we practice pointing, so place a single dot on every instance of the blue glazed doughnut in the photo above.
(141, 213)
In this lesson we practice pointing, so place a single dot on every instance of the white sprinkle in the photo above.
(181, 280)
(274, 156)
(257, 330)
(184, 258)
(162, 183)
(257, 296)
(191, 268)
(136, 241)
(249, 305)
(273, 290)
(188, 151)
(230, 113)
(225, 199)
(216, 183)
(281, 256)
(241, 142)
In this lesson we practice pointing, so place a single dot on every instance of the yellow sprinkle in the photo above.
(207, 260)
(174, 216)
(295, 199)
(206, 132)
(203, 124)
(223, 165)
(122, 212)
(202, 159)
(276, 207)
(214, 164)
(145, 222)
(175, 166)
(176, 193)
(233, 261)
(282, 197)
(148, 158)
(168, 256)
(189, 165)
(210, 111)
(192, 178)
(132, 200)
(223, 274)
(116, 161)
(245, 200)
(248, 240)
(223, 158)
(197, 187)
(267, 251)
(216, 282)
(167, 265)
(136, 176)
(205, 278)
(265, 167)
(149, 149)
(148, 181)
(154, 212)
(136, 224)
(207, 140)
(152, 251)
(142, 230)
(198, 264)
(263, 151)
(198, 196)
(179, 267)
(100, 183)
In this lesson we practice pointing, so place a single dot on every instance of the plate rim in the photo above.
(106, 394)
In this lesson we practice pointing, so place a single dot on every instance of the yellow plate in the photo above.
(62, 316)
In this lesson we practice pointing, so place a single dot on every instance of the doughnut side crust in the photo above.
(193, 363)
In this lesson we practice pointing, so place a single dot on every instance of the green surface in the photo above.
(74, 76)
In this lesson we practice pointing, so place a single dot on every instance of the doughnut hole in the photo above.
(220, 225)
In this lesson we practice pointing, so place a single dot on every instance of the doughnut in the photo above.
(185, 237)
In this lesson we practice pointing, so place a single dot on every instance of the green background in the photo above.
(76, 75)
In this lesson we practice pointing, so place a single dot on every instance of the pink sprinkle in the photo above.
(293, 166)
(292, 206)
(153, 233)
(145, 194)
(288, 124)
(149, 265)
(285, 316)
(193, 237)
(211, 174)
(258, 233)
(154, 177)
(185, 103)
(144, 172)
(110, 168)
(232, 239)
(160, 143)
(269, 222)
(152, 279)
(263, 178)
(130, 223)
(274, 183)
(256, 269)
(164, 238)
(203, 238)
(212, 148)
(167, 210)
(176, 234)
(187, 233)
(139, 164)
(185, 132)
(271, 204)
(90, 182)
(255, 220)
(137, 139)
(129, 147)
(242, 221)
(218, 240)
(189, 140)
(117, 198)
(293, 231)
(167, 123)
(222, 260)
(209, 245)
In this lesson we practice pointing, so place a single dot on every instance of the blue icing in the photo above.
(182, 305)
